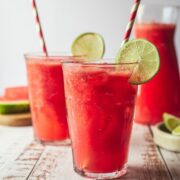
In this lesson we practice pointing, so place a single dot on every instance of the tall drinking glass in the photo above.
(47, 99)
(100, 104)
(157, 23)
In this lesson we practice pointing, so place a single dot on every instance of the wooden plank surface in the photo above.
(145, 162)
(172, 161)
(21, 158)
(12, 143)
(18, 154)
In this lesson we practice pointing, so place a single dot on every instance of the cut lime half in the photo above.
(145, 54)
(12, 107)
(176, 131)
(171, 121)
(89, 45)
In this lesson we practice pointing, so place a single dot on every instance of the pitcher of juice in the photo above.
(157, 24)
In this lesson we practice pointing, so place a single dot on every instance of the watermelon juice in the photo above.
(162, 93)
(100, 105)
(46, 94)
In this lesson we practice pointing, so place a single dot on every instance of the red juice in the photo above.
(162, 93)
(100, 104)
(47, 99)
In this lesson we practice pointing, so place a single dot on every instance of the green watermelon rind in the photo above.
(14, 107)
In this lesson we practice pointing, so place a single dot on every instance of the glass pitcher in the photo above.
(157, 23)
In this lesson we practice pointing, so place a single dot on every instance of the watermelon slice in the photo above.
(15, 100)
(16, 93)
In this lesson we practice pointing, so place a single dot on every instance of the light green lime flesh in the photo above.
(145, 54)
(13, 107)
(171, 121)
(176, 131)
(89, 45)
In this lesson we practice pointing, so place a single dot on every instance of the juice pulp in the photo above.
(100, 104)
(47, 99)
(162, 93)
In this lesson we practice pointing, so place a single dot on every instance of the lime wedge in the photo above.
(145, 54)
(89, 45)
(176, 131)
(171, 121)
(12, 107)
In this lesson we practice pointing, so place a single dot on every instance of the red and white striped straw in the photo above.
(131, 21)
(39, 27)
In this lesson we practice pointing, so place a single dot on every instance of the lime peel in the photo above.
(171, 122)
(176, 131)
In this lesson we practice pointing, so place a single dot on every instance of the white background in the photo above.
(62, 21)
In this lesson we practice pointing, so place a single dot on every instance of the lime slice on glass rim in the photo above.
(145, 54)
(89, 45)
(171, 121)
(176, 131)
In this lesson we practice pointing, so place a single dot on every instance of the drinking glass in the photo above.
(47, 99)
(100, 104)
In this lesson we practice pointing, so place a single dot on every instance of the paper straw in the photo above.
(39, 27)
(131, 21)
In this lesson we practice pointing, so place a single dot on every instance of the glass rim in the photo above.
(79, 61)
(98, 62)
(54, 55)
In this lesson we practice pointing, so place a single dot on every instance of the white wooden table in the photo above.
(21, 158)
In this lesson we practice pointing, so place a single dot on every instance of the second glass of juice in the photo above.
(100, 104)
(47, 100)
